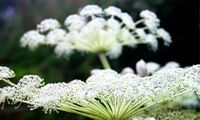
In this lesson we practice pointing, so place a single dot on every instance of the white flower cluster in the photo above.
(107, 94)
(6, 72)
(97, 31)
(32, 39)
(47, 25)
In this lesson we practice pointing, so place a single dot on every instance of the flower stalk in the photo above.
(104, 61)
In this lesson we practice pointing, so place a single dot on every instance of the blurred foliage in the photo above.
(166, 111)
(19, 16)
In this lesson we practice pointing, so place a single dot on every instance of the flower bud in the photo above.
(94, 71)
(141, 68)
(127, 70)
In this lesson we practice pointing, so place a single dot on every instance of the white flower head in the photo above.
(47, 25)
(55, 36)
(32, 39)
(30, 82)
(127, 20)
(50, 96)
(6, 72)
(63, 49)
(113, 11)
(90, 10)
(152, 41)
(151, 25)
(115, 51)
(164, 35)
(141, 33)
(7, 93)
(171, 64)
(97, 23)
(74, 22)
(113, 24)
(146, 14)
(152, 67)
(95, 30)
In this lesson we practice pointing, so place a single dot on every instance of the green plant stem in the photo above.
(168, 98)
(8, 82)
(104, 61)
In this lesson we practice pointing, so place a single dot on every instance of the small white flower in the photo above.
(97, 23)
(171, 64)
(90, 10)
(29, 82)
(149, 15)
(113, 24)
(113, 11)
(47, 25)
(32, 39)
(127, 38)
(6, 72)
(74, 22)
(50, 96)
(55, 36)
(115, 51)
(164, 35)
(151, 25)
(7, 93)
(152, 67)
(63, 49)
(152, 41)
(127, 20)
(141, 33)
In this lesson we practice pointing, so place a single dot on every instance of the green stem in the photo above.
(104, 61)
(8, 82)
(168, 98)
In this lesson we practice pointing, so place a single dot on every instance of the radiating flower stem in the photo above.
(104, 61)
(158, 102)
(8, 82)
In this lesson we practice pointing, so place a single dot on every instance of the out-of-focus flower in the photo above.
(32, 39)
(152, 67)
(113, 11)
(90, 10)
(95, 71)
(141, 68)
(171, 64)
(97, 31)
(127, 70)
(48, 25)
(162, 33)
